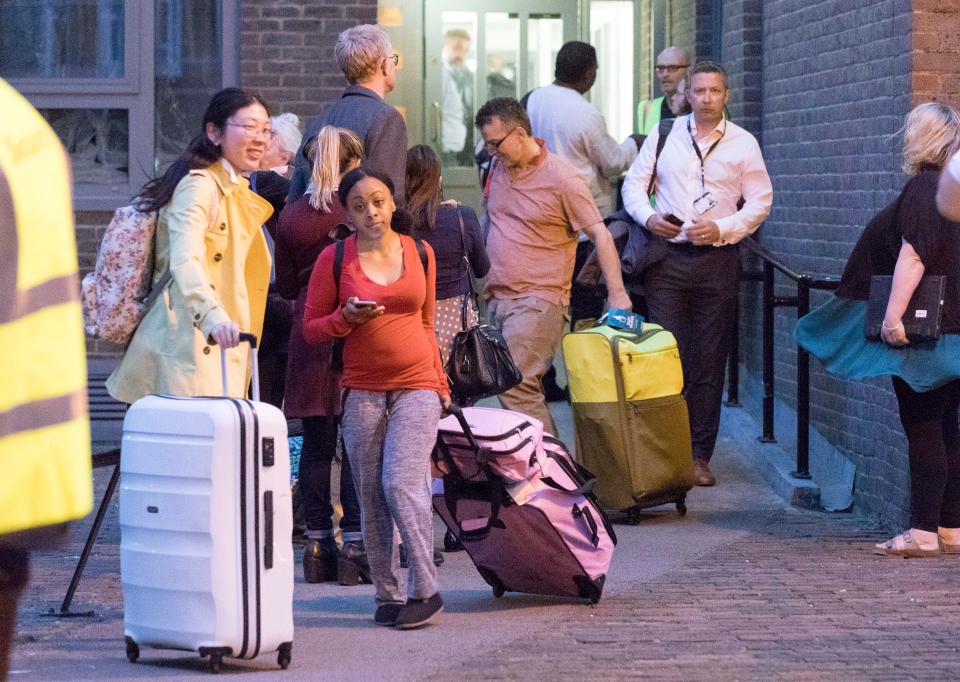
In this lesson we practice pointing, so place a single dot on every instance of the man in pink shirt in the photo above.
(536, 204)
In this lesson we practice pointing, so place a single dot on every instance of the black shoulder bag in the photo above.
(480, 364)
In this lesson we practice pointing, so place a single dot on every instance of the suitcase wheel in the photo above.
(682, 507)
(216, 655)
(133, 651)
(498, 591)
(284, 655)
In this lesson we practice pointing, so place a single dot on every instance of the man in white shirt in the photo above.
(457, 98)
(948, 193)
(574, 129)
(707, 165)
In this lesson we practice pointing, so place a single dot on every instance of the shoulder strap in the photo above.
(338, 266)
(422, 252)
(525, 100)
(666, 125)
(466, 260)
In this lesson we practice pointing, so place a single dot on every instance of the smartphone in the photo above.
(365, 304)
(673, 220)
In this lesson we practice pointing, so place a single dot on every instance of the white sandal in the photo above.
(904, 545)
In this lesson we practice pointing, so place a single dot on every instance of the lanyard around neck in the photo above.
(703, 157)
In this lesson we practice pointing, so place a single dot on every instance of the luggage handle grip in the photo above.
(587, 515)
(268, 529)
(254, 365)
(457, 412)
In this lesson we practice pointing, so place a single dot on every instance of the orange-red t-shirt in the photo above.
(395, 351)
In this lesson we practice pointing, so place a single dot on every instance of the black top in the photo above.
(273, 187)
(448, 250)
(913, 216)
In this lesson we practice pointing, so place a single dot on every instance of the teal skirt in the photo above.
(834, 333)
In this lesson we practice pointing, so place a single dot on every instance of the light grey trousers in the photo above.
(389, 437)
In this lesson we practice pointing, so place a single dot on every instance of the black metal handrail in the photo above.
(801, 301)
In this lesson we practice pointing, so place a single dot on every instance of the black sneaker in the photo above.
(386, 614)
(320, 560)
(418, 612)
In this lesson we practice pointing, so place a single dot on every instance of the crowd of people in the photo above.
(334, 245)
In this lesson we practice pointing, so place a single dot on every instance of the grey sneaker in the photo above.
(418, 612)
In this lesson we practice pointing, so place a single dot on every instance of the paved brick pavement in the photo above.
(742, 588)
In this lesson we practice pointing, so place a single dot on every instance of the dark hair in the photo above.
(706, 66)
(201, 152)
(574, 61)
(423, 187)
(402, 221)
(508, 110)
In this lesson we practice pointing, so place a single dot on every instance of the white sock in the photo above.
(950, 536)
(925, 538)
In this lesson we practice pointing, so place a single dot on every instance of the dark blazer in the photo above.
(378, 125)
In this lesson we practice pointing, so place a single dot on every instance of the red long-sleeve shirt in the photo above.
(395, 351)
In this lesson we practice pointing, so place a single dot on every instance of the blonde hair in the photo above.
(336, 150)
(931, 135)
(287, 127)
(360, 50)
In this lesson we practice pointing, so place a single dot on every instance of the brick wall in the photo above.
(742, 57)
(835, 87)
(936, 51)
(287, 50)
(682, 29)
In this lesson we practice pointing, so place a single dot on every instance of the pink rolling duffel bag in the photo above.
(544, 534)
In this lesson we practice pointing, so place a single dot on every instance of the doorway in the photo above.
(500, 48)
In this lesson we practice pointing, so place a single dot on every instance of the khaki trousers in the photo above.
(532, 328)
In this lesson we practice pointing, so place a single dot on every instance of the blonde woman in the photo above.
(307, 227)
(908, 239)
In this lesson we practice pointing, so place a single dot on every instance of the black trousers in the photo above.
(933, 442)
(693, 293)
(14, 574)
(316, 459)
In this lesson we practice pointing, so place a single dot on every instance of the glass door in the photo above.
(496, 48)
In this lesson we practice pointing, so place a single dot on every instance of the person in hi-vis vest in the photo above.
(44, 429)
(671, 68)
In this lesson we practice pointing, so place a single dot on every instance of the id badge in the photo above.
(704, 203)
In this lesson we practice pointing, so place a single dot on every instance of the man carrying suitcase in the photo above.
(536, 204)
(707, 167)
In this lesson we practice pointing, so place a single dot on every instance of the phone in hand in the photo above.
(673, 220)
(364, 304)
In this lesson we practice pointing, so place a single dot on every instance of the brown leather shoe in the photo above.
(702, 474)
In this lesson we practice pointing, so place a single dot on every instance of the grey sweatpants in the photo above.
(389, 437)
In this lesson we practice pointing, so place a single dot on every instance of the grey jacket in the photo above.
(378, 125)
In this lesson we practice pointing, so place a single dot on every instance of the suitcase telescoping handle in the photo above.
(254, 366)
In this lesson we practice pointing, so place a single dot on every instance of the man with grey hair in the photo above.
(671, 68)
(367, 59)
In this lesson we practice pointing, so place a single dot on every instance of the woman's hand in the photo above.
(446, 403)
(894, 334)
(226, 334)
(356, 315)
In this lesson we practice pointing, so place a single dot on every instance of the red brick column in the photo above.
(936, 51)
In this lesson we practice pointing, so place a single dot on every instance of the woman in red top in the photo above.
(394, 388)
(307, 226)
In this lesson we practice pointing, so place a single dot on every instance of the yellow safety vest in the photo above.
(648, 115)
(44, 428)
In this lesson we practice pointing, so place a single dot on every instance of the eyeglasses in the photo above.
(670, 68)
(493, 146)
(395, 58)
(252, 130)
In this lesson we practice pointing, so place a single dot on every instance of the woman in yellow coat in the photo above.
(209, 238)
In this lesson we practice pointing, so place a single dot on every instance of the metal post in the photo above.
(733, 360)
(803, 388)
(87, 547)
(768, 377)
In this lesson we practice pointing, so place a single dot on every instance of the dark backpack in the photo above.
(336, 358)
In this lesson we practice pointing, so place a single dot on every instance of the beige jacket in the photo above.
(210, 238)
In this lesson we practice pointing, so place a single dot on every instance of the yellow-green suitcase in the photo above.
(630, 415)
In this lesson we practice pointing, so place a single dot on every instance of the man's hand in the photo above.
(702, 232)
(660, 226)
(619, 299)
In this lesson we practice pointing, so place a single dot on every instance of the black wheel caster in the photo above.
(498, 591)
(216, 663)
(682, 508)
(133, 651)
(284, 655)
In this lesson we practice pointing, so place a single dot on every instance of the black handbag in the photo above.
(480, 364)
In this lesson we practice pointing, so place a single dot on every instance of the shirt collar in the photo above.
(234, 179)
(720, 128)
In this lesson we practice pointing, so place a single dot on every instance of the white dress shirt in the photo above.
(734, 169)
(575, 130)
(453, 130)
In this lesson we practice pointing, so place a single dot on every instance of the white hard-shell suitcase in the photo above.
(206, 560)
